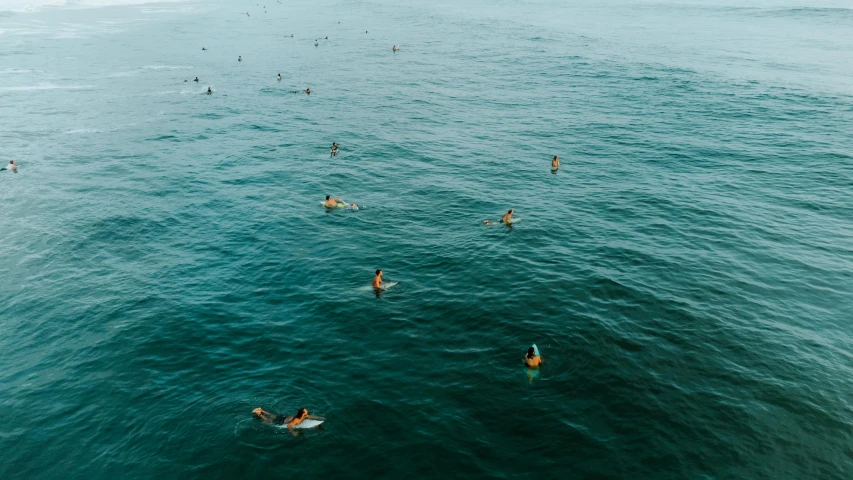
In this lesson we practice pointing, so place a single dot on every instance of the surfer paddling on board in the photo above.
(12, 166)
(332, 202)
(532, 359)
(507, 218)
(290, 421)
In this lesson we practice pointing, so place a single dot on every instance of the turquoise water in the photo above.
(686, 273)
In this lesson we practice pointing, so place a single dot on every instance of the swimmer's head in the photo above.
(379, 272)
(354, 206)
(328, 197)
(531, 352)
(511, 211)
(302, 413)
(257, 412)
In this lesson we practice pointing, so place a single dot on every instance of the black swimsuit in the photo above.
(282, 419)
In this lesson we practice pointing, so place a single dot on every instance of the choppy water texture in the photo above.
(166, 266)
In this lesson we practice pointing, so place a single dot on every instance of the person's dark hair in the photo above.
(378, 272)
(301, 412)
(510, 211)
(531, 352)
(327, 197)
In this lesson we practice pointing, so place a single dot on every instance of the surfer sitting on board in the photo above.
(377, 280)
(332, 202)
(290, 421)
(507, 218)
(532, 360)
(555, 163)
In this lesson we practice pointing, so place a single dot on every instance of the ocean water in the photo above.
(166, 266)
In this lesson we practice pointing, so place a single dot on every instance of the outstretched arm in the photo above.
(263, 415)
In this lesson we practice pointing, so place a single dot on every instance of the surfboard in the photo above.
(387, 285)
(514, 221)
(308, 423)
(340, 205)
(535, 349)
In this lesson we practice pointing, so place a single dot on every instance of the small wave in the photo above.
(27, 6)
(27, 88)
(168, 67)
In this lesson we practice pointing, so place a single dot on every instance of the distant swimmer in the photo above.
(377, 280)
(308, 91)
(327, 38)
(209, 91)
(279, 77)
(239, 58)
(555, 163)
(247, 14)
(507, 218)
(354, 206)
(291, 35)
(290, 421)
(196, 79)
(334, 150)
(315, 43)
(332, 202)
(532, 359)
(203, 48)
(394, 48)
(12, 166)
(489, 223)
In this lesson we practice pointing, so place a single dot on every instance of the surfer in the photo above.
(507, 218)
(209, 91)
(377, 280)
(239, 58)
(354, 206)
(532, 360)
(308, 91)
(196, 79)
(394, 48)
(203, 48)
(290, 421)
(11, 166)
(332, 202)
(555, 163)
(279, 77)
(334, 151)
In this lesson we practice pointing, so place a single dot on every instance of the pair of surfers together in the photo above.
(532, 360)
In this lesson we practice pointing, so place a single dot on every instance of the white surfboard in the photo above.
(387, 285)
(307, 423)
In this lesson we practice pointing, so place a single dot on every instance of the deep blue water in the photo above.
(687, 272)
